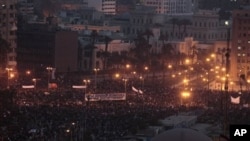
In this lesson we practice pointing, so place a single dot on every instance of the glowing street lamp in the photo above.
(86, 82)
(34, 80)
(49, 69)
(125, 84)
(184, 95)
(170, 66)
(127, 66)
(187, 61)
(117, 75)
(8, 77)
(146, 70)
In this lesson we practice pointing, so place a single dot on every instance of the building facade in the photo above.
(106, 6)
(42, 45)
(240, 51)
(8, 29)
(171, 7)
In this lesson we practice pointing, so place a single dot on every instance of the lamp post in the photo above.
(86, 82)
(146, 70)
(8, 77)
(34, 80)
(49, 69)
(96, 70)
(125, 84)
(227, 55)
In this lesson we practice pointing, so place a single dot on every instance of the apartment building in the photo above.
(8, 29)
(171, 7)
(240, 51)
(106, 6)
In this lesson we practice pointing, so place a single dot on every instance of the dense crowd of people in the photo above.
(64, 114)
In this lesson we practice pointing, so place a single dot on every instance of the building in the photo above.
(43, 45)
(123, 6)
(94, 58)
(106, 6)
(240, 53)
(25, 7)
(171, 7)
(8, 29)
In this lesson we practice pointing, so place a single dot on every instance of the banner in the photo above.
(28, 86)
(137, 90)
(235, 100)
(79, 86)
(105, 97)
(134, 89)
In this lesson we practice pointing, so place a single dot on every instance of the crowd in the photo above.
(63, 114)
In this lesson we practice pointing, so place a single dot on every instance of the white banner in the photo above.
(137, 90)
(105, 97)
(235, 100)
(79, 86)
(28, 86)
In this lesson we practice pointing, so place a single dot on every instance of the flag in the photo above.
(134, 89)
(235, 100)
(140, 92)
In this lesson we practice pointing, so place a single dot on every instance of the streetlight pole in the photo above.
(8, 77)
(96, 70)
(227, 55)
(49, 69)
(34, 80)
(86, 81)
(125, 85)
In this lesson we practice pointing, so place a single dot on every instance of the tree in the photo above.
(148, 33)
(174, 21)
(193, 53)
(107, 40)
(141, 51)
(185, 23)
(179, 24)
(92, 47)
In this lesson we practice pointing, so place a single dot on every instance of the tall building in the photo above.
(171, 7)
(43, 45)
(240, 51)
(106, 6)
(8, 29)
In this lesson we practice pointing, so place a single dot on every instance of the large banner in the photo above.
(105, 97)
(79, 87)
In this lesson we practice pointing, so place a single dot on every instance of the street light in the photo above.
(227, 55)
(125, 84)
(34, 80)
(142, 79)
(96, 70)
(146, 70)
(184, 95)
(8, 77)
(86, 82)
(49, 69)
